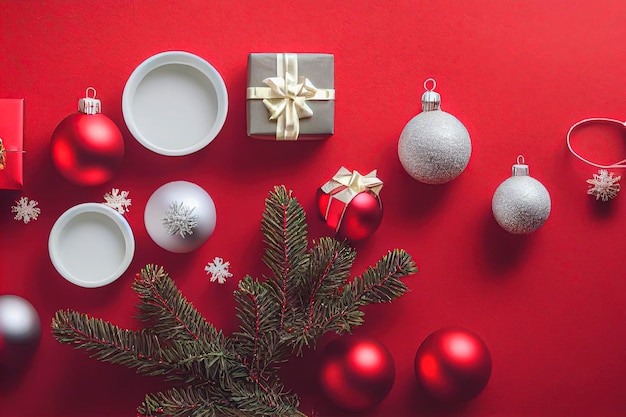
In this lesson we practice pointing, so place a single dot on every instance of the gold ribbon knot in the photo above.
(3, 157)
(3, 160)
(354, 182)
(285, 96)
(290, 103)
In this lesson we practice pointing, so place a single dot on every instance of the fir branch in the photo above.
(171, 314)
(255, 401)
(188, 361)
(174, 319)
(330, 263)
(381, 283)
(378, 284)
(215, 362)
(185, 402)
(138, 350)
(258, 341)
(243, 401)
(285, 233)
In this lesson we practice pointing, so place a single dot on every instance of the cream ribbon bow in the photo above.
(286, 94)
(354, 182)
(289, 104)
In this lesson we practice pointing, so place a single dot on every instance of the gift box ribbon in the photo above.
(3, 154)
(286, 95)
(346, 184)
(3, 158)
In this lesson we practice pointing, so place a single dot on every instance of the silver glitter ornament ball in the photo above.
(521, 204)
(434, 147)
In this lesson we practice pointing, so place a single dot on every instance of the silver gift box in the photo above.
(320, 71)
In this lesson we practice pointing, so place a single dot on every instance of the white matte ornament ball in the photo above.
(434, 147)
(180, 216)
(521, 204)
(19, 321)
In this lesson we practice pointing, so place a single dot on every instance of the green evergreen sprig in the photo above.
(308, 293)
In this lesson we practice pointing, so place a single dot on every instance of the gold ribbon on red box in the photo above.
(11, 132)
(286, 94)
(343, 187)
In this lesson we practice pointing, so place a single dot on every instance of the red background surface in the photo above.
(550, 306)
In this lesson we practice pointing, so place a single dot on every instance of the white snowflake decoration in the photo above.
(26, 210)
(179, 219)
(117, 200)
(218, 270)
(604, 185)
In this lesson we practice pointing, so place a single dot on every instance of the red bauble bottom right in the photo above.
(453, 365)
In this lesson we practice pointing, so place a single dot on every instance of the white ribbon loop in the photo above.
(618, 164)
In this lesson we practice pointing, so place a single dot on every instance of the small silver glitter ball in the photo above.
(521, 204)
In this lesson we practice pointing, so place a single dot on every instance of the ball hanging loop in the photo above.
(431, 100)
(521, 204)
(430, 81)
(520, 168)
(434, 147)
(89, 105)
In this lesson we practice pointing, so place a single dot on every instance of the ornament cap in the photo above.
(431, 100)
(520, 169)
(89, 105)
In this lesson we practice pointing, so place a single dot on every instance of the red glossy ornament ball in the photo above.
(356, 373)
(356, 221)
(87, 149)
(453, 365)
(362, 217)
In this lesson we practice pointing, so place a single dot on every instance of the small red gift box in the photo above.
(12, 135)
(350, 203)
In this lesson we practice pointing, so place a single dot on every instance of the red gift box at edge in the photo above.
(350, 204)
(12, 135)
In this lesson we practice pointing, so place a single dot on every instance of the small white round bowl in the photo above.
(175, 103)
(91, 245)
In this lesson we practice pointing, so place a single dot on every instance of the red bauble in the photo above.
(362, 217)
(87, 149)
(357, 220)
(453, 365)
(356, 373)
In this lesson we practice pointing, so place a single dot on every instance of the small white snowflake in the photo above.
(179, 219)
(26, 210)
(604, 185)
(117, 200)
(218, 270)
